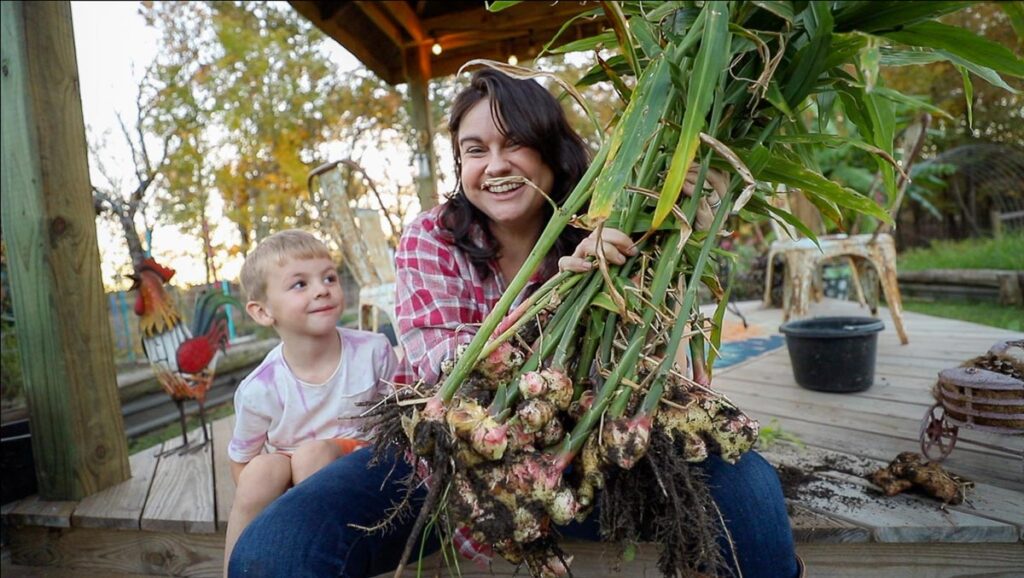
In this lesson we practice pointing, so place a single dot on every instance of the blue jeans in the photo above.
(306, 531)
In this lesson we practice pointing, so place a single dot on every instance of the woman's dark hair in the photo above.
(528, 114)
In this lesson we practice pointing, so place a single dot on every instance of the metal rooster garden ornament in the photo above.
(184, 360)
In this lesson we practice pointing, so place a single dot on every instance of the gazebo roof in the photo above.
(388, 36)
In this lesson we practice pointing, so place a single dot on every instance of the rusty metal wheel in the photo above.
(937, 435)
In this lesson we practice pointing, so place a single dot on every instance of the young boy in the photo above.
(299, 410)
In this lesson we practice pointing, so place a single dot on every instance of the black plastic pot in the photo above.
(833, 354)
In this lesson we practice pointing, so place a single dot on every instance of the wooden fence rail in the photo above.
(995, 284)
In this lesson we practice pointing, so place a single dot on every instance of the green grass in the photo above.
(173, 430)
(772, 433)
(1003, 253)
(985, 313)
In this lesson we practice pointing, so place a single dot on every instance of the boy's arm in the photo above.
(252, 422)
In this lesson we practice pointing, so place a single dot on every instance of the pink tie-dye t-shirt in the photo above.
(275, 411)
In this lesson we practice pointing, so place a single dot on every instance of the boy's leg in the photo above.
(315, 454)
(261, 482)
(311, 456)
(307, 531)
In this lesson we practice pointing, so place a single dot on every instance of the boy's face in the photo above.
(304, 299)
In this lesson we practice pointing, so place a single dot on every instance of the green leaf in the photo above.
(990, 76)
(809, 62)
(868, 62)
(818, 20)
(844, 48)
(606, 38)
(883, 120)
(962, 43)
(604, 301)
(968, 95)
(625, 93)
(597, 73)
(795, 176)
(665, 9)
(835, 141)
(1015, 10)
(849, 94)
(774, 96)
(919, 56)
(707, 69)
(613, 11)
(499, 5)
(826, 208)
(910, 101)
(909, 57)
(783, 10)
(568, 24)
(626, 288)
(760, 206)
(676, 21)
(644, 34)
(825, 102)
(874, 16)
(718, 321)
(638, 124)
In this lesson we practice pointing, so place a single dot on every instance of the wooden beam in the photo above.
(408, 19)
(116, 552)
(64, 336)
(382, 21)
(120, 507)
(520, 17)
(418, 76)
(181, 496)
(386, 66)
(223, 484)
(455, 56)
(912, 560)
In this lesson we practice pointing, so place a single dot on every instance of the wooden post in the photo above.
(49, 224)
(997, 223)
(418, 75)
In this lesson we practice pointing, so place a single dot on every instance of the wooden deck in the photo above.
(169, 518)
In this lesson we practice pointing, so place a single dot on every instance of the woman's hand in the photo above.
(716, 183)
(614, 244)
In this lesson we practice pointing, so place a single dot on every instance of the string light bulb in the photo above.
(436, 49)
(512, 59)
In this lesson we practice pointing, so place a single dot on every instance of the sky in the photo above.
(113, 47)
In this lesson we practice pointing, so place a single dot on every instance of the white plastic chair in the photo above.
(359, 234)
(803, 258)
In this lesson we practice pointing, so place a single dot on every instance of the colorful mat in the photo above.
(734, 352)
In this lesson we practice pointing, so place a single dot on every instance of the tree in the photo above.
(124, 201)
(262, 106)
(995, 111)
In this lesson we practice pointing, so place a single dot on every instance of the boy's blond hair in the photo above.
(275, 251)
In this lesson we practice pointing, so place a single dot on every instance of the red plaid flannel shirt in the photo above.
(441, 302)
(441, 299)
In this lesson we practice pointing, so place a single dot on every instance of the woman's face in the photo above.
(488, 155)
